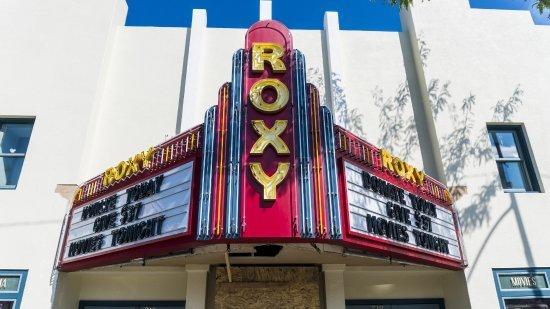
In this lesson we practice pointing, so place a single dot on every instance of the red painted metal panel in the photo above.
(261, 218)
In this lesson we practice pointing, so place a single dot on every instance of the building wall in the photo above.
(399, 282)
(494, 56)
(140, 101)
(51, 58)
(129, 283)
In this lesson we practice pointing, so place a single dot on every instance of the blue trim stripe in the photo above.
(331, 174)
(234, 149)
(303, 145)
(207, 174)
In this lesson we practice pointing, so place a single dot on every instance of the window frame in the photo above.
(16, 120)
(529, 170)
(15, 296)
(527, 293)
(126, 303)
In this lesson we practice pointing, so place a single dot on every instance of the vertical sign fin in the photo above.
(303, 145)
(331, 174)
(220, 170)
(234, 148)
(207, 174)
(319, 182)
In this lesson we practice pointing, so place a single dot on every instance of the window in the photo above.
(522, 288)
(12, 284)
(132, 305)
(14, 140)
(396, 304)
(514, 161)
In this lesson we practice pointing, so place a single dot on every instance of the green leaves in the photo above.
(541, 5)
(404, 4)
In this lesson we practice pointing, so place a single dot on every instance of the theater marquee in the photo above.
(268, 165)
(380, 209)
(151, 209)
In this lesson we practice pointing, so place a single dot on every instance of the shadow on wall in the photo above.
(463, 147)
(348, 118)
(398, 132)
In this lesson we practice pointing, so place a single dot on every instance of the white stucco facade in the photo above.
(101, 91)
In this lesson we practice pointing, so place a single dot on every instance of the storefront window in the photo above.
(396, 304)
(531, 303)
(6, 304)
(521, 288)
(131, 305)
(12, 284)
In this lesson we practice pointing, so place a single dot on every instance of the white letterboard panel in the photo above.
(171, 203)
(363, 202)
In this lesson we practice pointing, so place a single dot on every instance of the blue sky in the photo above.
(523, 5)
(296, 14)
(372, 15)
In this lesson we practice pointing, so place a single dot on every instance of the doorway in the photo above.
(254, 287)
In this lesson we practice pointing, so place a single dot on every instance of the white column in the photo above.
(196, 285)
(117, 11)
(190, 112)
(336, 81)
(265, 10)
(334, 286)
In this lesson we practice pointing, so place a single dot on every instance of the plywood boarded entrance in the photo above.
(267, 287)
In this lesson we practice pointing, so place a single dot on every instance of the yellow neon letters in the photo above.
(270, 52)
(273, 54)
(139, 162)
(269, 182)
(401, 168)
(269, 136)
(259, 103)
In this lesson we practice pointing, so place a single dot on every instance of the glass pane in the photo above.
(507, 144)
(511, 175)
(9, 283)
(494, 145)
(10, 168)
(6, 305)
(15, 137)
(530, 303)
(405, 306)
(419, 306)
(109, 307)
(161, 307)
(522, 281)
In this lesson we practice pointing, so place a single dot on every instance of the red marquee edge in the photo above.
(187, 147)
